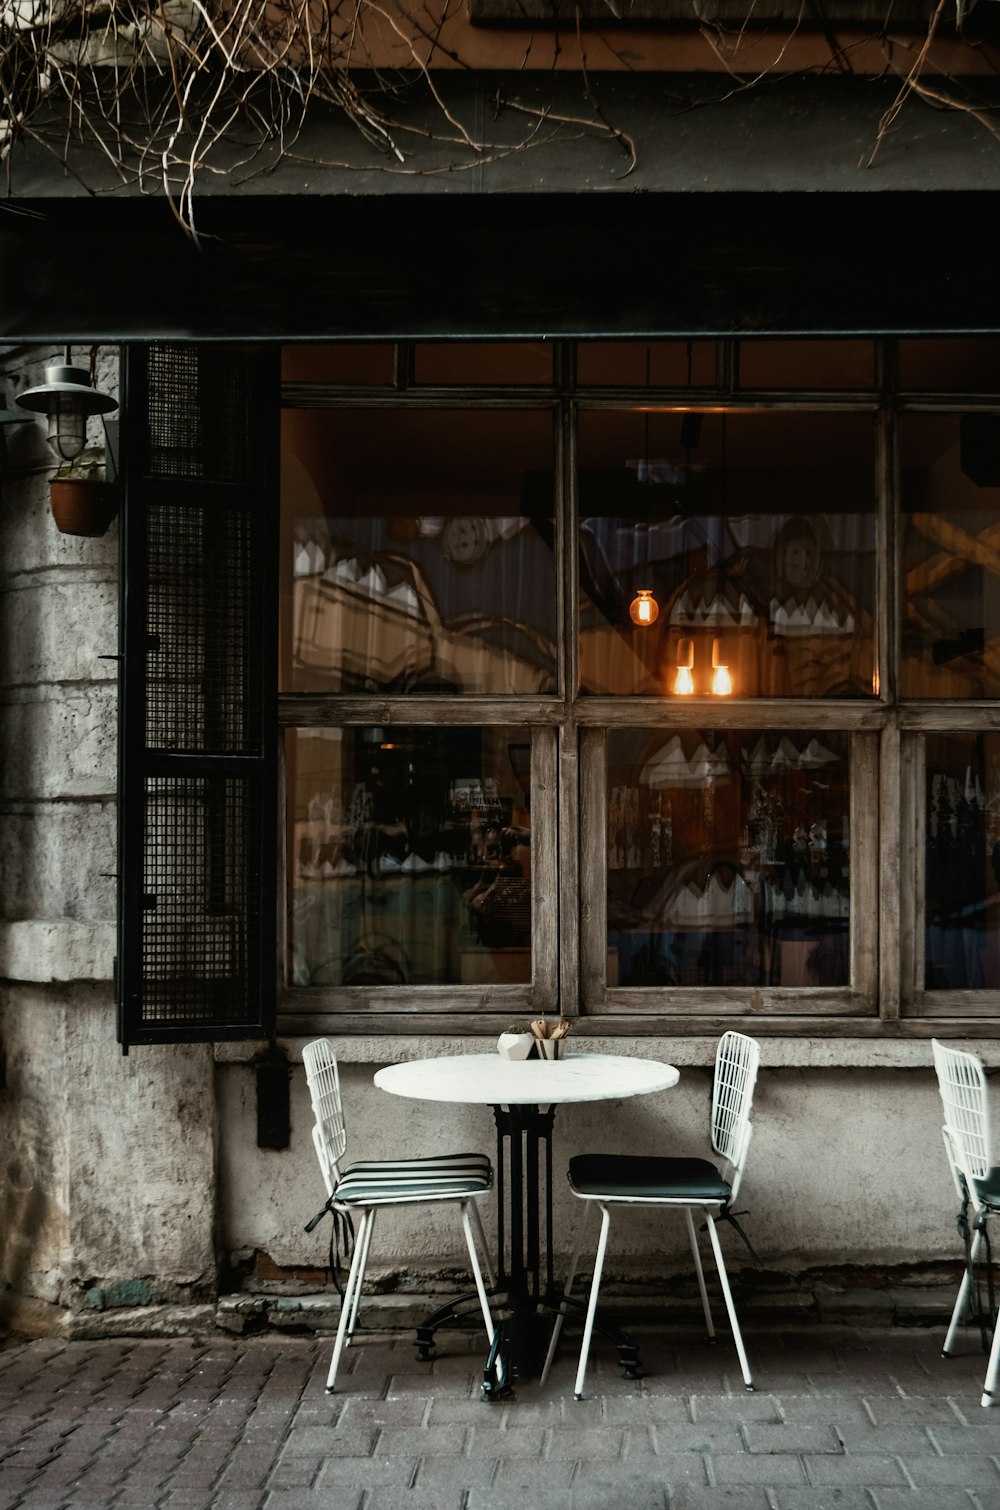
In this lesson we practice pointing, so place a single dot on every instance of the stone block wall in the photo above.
(107, 1177)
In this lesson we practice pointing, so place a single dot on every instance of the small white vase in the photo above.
(515, 1045)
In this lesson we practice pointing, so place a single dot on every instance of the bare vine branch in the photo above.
(161, 95)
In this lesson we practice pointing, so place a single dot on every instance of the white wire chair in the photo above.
(364, 1188)
(683, 1184)
(966, 1132)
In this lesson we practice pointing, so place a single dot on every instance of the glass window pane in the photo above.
(641, 364)
(417, 551)
(962, 875)
(945, 365)
(409, 856)
(950, 555)
(353, 364)
(482, 364)
(818, 365)
(728, 858)
(754, 536)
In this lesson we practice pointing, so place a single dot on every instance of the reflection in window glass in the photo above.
(754, 535)
(728, 858)
(950, 555)
(409, 856)
(962, 875)
(417, 552)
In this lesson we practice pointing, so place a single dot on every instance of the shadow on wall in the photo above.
(22, 1214)
(26, 1209)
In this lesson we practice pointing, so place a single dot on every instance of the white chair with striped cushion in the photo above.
(362, 1189)
(680, 1184)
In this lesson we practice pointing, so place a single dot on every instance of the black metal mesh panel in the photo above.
(204, 414)
(203, 685)
(197, 911)
(201, 919)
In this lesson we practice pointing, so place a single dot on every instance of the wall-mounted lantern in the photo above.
(84, 499)
(68, 397)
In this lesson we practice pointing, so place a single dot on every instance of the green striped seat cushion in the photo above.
(434, 1178)
(634, 1177)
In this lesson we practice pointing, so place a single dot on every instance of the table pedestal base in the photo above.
(525, 1287)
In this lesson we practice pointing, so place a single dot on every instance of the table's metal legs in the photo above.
(525, 1282)
(525, 1266)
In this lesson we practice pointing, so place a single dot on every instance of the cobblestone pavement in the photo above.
(841, 1418)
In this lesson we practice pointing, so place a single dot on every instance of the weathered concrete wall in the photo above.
(847, 1167)
(107, 1180)
(34, 1193)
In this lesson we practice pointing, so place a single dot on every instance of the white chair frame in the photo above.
(736, 1064)
(364, 1188)
(967, 1142)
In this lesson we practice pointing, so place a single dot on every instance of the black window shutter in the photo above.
(197, 819)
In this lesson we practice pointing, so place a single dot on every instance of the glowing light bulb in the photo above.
(644, 609)
(722, 682)
(684, 681)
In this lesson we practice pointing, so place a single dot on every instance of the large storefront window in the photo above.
(755, 555)
(419, 552)
(962, 862)
(645, 683)
(951, 555)
(411, 856)
(728, 858)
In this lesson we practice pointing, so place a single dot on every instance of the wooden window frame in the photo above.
(569, 897)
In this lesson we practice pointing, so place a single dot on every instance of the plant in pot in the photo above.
(83, 501)
(517, 1041)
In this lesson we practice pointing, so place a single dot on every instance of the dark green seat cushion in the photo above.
(622, 1176)
(988, 1188)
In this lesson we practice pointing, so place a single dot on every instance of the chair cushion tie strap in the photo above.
(341, 1235)
(731, 1218)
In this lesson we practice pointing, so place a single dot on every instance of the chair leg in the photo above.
(476, 1271)
(992, 1371)
(366, 1243)
(484, 1245)
(728, 1296)
(962, 1298)
(560, 1316)
(699, 1271)
(354, 1279)
(595, 1285)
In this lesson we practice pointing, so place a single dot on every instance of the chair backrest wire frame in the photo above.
(737, 1061)
(962, 1083)
(330, 1131)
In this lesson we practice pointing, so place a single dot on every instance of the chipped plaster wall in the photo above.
(847, 1166)
(107, 1176)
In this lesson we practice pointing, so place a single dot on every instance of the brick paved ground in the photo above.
(841, 1418)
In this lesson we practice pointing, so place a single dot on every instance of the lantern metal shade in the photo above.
(67, 398)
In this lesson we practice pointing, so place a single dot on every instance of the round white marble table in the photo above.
(523, 1095)
(494, 1081)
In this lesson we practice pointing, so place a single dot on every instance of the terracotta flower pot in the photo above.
(82, 506)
